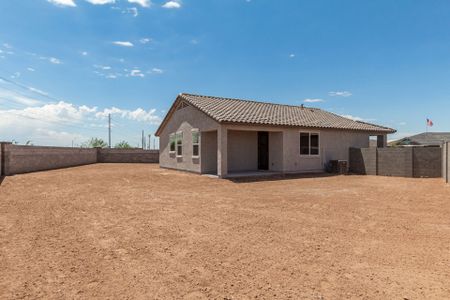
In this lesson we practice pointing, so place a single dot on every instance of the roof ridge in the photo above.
(249, 100)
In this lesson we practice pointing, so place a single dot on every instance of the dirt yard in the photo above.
(137, 231)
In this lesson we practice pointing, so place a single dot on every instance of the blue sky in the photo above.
(66, 64)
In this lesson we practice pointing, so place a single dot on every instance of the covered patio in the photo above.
(241, 153)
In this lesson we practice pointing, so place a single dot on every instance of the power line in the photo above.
(28, 88)
(51, 122)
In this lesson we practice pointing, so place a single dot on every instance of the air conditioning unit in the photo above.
(338, 166)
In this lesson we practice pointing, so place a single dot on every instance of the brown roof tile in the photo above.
(261, 113)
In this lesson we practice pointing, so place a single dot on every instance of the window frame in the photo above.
(195, 130)
(179, 138)
(310, 133)
(172, 137)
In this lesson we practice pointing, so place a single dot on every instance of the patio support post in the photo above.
(382, 141)
(222, 152)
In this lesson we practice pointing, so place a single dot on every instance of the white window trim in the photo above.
(174, 135)
(309, 133)
(198, 143)
(176, 144)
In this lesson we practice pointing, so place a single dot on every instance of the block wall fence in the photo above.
(417, 162)
(446, 162)
(16, 159)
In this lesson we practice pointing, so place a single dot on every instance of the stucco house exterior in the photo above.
(225, 137)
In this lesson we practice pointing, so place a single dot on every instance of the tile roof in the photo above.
(228, 110)
(425, 139)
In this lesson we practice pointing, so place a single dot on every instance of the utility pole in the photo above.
(109, 130)
(143, 140)
(149, 142)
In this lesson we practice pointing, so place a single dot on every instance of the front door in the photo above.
(263, 150)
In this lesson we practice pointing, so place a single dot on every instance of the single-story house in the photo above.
(435, 139)
(225, 137)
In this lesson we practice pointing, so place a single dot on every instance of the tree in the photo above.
(95, 142)
(122, 145)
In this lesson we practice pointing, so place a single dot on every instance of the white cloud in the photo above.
(340, 94)
(138, 114)
(15, 75)
(84, 53)
(172, 4)
(17, 99)
(31, 69)
(53, 60)
(145, 40)
(56, 112)
(63, 2)
(101, 2)
(143, 3)
(123, 43)
(37, 91)
(136, 73)
(292, 55)
(355, 118)
(315, 100)
(102, 67)
(155, 71)
(133, 10)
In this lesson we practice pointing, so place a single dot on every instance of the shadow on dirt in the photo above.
(279, 177)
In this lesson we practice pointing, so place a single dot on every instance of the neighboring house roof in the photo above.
(425, 139)
(228, 110)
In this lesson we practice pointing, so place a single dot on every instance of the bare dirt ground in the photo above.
(137, 231)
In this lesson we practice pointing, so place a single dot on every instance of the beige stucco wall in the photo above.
(242, 150)
(276, 151)
(184, 120)
(208, 146)
(334, 144)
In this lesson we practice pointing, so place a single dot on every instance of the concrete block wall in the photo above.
(446, 162)
(395, 162)
(16, 159)
(400, 162)
(127, 156)
(1, 159)
(427, 162)
(363, 161)
(25, 159)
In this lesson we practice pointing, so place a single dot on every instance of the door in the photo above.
(263, 150)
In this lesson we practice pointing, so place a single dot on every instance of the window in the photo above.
(304, 143)
(195, 142)
(314, 144)
(309, 143)
(172, 138)
(179, 139)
